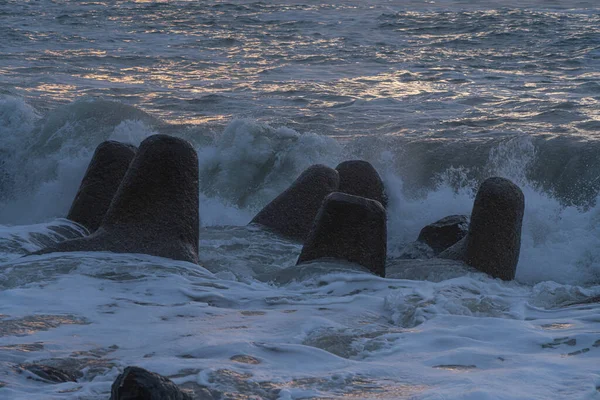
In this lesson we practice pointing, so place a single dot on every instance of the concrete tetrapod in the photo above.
(155, 210)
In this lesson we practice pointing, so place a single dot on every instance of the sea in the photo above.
(437, 94)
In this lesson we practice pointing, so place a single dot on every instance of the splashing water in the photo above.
(437, 96)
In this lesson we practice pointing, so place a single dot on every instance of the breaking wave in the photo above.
(250, 162)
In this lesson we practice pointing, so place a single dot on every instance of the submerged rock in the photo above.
(416, 251)
(155, 211)
(100, 183)
(455, 252)
(444, 233)
(349, 228)
(433, 270)
(493, 242)
(360, 178)
(589, 300)
(46, 373)
(139, 384)
(312, 270)
(292, 213)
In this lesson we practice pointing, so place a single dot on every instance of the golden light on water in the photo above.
(456, 367)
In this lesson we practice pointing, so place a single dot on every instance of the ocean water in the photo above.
(438, 95)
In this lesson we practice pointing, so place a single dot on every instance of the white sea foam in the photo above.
(341, 334)
(45, 158)
(251, 162)
(17, 118)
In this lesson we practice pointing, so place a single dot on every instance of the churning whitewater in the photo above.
(437, 96)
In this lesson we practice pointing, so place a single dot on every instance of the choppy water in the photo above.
(437, 95)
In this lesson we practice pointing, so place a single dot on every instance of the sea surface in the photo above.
(437, 95)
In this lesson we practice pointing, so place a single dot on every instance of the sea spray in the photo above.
(251, 162)
(45, 157)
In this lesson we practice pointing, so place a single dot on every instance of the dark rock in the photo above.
(49, 374)
(349, 228)
(100, 183)
(444, 233)
(292, 213)
(359, 178)
(155, 211)
(493, 243)
(138, 384)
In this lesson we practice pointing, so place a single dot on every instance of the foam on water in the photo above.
(437, 96)
(251, 323)
(337, 334)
